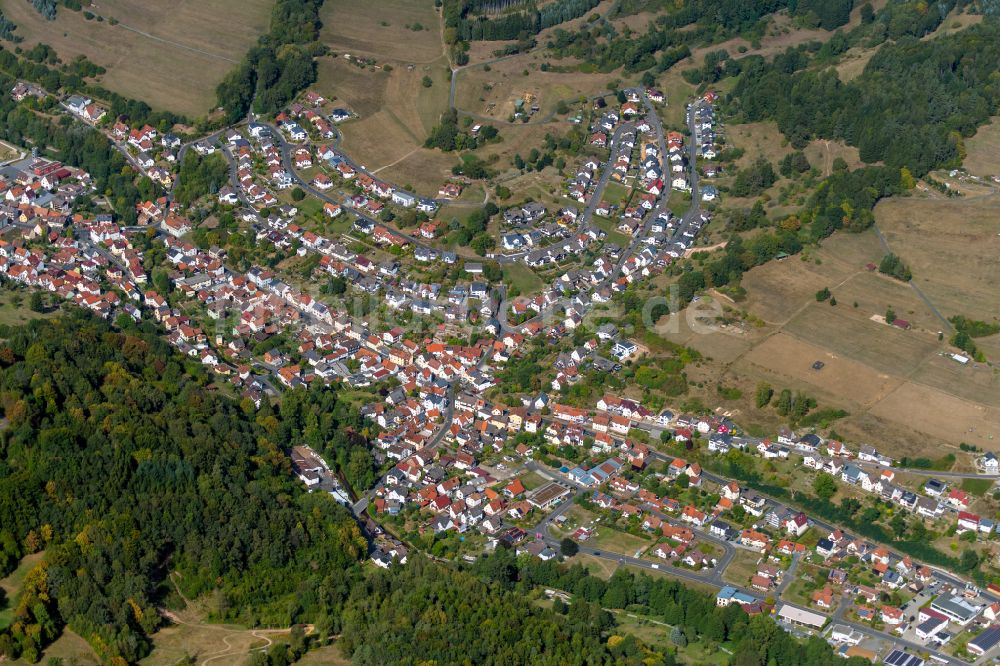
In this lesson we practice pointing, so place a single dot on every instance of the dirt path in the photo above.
(228, 634)
(392, 164)
(177, 44)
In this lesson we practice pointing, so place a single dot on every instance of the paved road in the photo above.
(361, 505)
(286, 149)
(606, 171)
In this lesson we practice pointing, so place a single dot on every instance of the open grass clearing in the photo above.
(765, 139)
(742, 567)
(532, 480)
(656, 634)
(69, 648)
(170, 55)
(951, 247)
(15, 310)
(521, 278)
(977, 486)
(222, 645)
(328, 655)
(380, 29)
(12, 584)
(853, 63)
(983, 150)
(597, 566)
(612, 540)
(609, 225)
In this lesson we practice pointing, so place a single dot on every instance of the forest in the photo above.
(913, 106)
(200, 175)
(279, 67)
(122, 463)
(518, 25)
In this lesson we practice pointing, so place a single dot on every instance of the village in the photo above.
(421, 337)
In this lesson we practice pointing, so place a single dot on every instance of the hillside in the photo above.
(169, 55)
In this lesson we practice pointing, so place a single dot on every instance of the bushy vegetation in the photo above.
(7, 28)
(826, 14)
(893, 266)
(200, 175)
(754, 179)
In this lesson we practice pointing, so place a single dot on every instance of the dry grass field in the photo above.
(379, 29)
(853, 62)
(494, 92)
(951, 246)
(396, 112)
(899, 390)
(765, 139)
(983, 151)
(69, 648)
(223, 646)
(170, 55)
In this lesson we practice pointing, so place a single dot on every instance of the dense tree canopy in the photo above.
(279, 67)
(911, 107)
(122, 465)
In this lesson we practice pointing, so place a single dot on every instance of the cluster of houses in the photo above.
(146, 145)
(94, 268)
(704, 136)
(84, 108)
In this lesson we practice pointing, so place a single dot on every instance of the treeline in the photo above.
(280, 66)
(122, 465)
(47, 8)
(894, 112)
(7, 28)
(603, 47)
(517, 25)
(426, 613)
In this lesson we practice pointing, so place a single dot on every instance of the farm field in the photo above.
(170, 55)
(896, 386)
(937, 236)
(401, 30)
